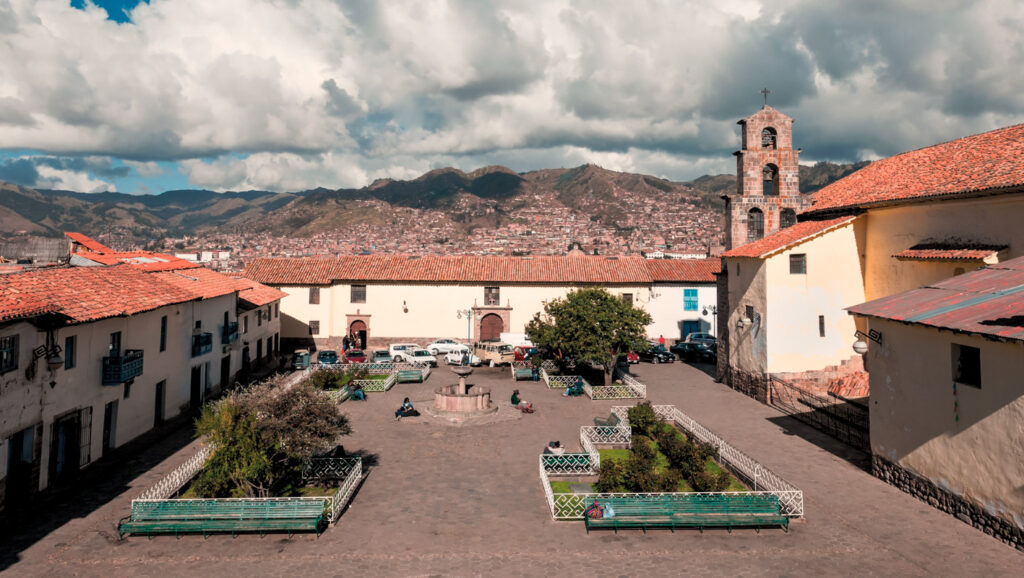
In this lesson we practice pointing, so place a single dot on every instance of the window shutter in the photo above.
(85, 437)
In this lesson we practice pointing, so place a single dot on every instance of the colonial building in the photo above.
(92, 356)
(382, 299)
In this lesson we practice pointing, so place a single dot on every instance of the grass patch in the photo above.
(613, 455)
(561, 487)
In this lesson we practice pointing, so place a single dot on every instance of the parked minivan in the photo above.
(494, 352)
(300, 359)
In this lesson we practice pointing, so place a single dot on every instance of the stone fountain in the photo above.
(463, 400)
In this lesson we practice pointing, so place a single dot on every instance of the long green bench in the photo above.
(692, 511)
(522, 373)
(234, 516)
(409, 375)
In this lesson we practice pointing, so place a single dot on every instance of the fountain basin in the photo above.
(476, 400)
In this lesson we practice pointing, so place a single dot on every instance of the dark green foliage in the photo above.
(334, 378)
(705, 481)
(642, 419)
(610, 477)
(590, 325)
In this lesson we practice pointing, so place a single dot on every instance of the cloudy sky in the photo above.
(295, 94)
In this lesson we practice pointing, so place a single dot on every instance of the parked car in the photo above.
(300, 359)
(455, 358)
(632, 357)
(355, 356)
(381, 356)
(494, 352)
(445, 346)
(697, 347)
(398, 350)
(657, 354)
(420, 356)
(327, 357)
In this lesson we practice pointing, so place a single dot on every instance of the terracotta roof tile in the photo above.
(784, 238)
(88, 243)
(570, 269)
(257, 294)
(949, 252)
(145, 260)
(201, 283)
(989, 161)
(86, 293)
(692, 270)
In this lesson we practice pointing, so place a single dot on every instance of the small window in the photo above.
(245, 324)
(127, 389)
(314, 295)
(8, 353)
(627, 298)
(787, 218)
(359, 293)
(259, 318)
(967, 365)
(115, 342)
(277, 310)
(768, 138)
(821, 325)
(749, 311)
(492, 296)
(163, 333)
(689, 299)
(314, 327)
(755, 225)
(70, 351)
(770, 178)
(798, 264)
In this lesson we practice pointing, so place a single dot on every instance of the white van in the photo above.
(402, 352)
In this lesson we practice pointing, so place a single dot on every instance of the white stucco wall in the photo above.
(668, 313)
(748, 350)
(914, 410)
(833, 282)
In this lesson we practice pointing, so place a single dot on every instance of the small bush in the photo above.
(642, 419)
(610, 477)
(705, 481)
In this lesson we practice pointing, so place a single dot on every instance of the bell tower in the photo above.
(767, 179)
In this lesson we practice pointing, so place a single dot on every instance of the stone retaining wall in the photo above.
(750, 384)
(967, 511)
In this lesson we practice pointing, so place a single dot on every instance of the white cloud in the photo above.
(332, 93)
(51, 178)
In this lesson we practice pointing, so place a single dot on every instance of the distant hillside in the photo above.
(812, 178)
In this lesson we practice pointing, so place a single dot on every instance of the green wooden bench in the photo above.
(209, 516)
(611, 421)
(692, 511)
(520, 373)
(409, 375)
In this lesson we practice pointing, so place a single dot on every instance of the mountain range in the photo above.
(487, 197)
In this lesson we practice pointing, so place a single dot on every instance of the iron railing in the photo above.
(846, 421)
(118, 369)
(202, 343)
(229, 333)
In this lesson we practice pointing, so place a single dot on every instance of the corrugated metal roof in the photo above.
(989, 302)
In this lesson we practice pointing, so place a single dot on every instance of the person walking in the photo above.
(661, 340)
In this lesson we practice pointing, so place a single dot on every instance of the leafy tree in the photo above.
(590, 325)
(643, 420)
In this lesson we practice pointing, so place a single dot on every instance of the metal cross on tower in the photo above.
(765, 92)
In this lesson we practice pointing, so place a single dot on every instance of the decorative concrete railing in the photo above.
(376, 384)
(558, 381)
(179, 476)
(764, 481)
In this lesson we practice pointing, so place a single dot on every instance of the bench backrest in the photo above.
(226, 509)
(695, 504)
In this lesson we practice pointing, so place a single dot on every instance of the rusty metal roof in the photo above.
(987, 302)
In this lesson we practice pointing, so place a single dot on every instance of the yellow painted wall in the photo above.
(981, 456)
(431, 308)
(747, 345)
(833, 282)
(990, 220)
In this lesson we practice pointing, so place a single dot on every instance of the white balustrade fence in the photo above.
(763, 480)
(179, 476)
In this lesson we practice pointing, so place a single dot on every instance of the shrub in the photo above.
(610, 476)
(642, 419)
(705, 481)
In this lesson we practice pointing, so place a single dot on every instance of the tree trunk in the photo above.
(609, 370)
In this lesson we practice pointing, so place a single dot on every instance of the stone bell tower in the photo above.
(768, 179)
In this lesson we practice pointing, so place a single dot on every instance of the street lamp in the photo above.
(714, 316)
(468, 313)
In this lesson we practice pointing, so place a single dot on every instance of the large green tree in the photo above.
(590, 325)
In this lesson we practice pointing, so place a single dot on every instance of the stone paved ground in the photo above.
(445, 500)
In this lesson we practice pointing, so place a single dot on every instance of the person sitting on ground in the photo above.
(521, 404)
(358, 393)
(555, 447)
(407, 410)
(574, 389)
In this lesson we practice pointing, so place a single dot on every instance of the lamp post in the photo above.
(714, 317)
(468, 314)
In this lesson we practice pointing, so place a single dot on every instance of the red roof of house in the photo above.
(201, 283)
(145, 260)
(88, 242)
(569, 269)
(257, 294)
(949, 252)
(85, 293)
(988, 301)
(991, 161)
(684, 270)
(785, 238)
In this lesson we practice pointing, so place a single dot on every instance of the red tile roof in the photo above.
(987, 162)
(88, 243)
(257, 294)
(145, 260)
(785, 238)
(949, 252)
(684, 270)
(201, 283)
(570, 269)
(988, 302)
(85, 293)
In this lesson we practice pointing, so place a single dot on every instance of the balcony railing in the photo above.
(202, 343)
(229, 333)
(121, 368)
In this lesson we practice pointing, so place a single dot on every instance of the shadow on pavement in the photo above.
(791, 425)
(103, 481)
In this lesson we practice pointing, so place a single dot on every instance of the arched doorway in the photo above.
(358, 331)
(491, 327)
